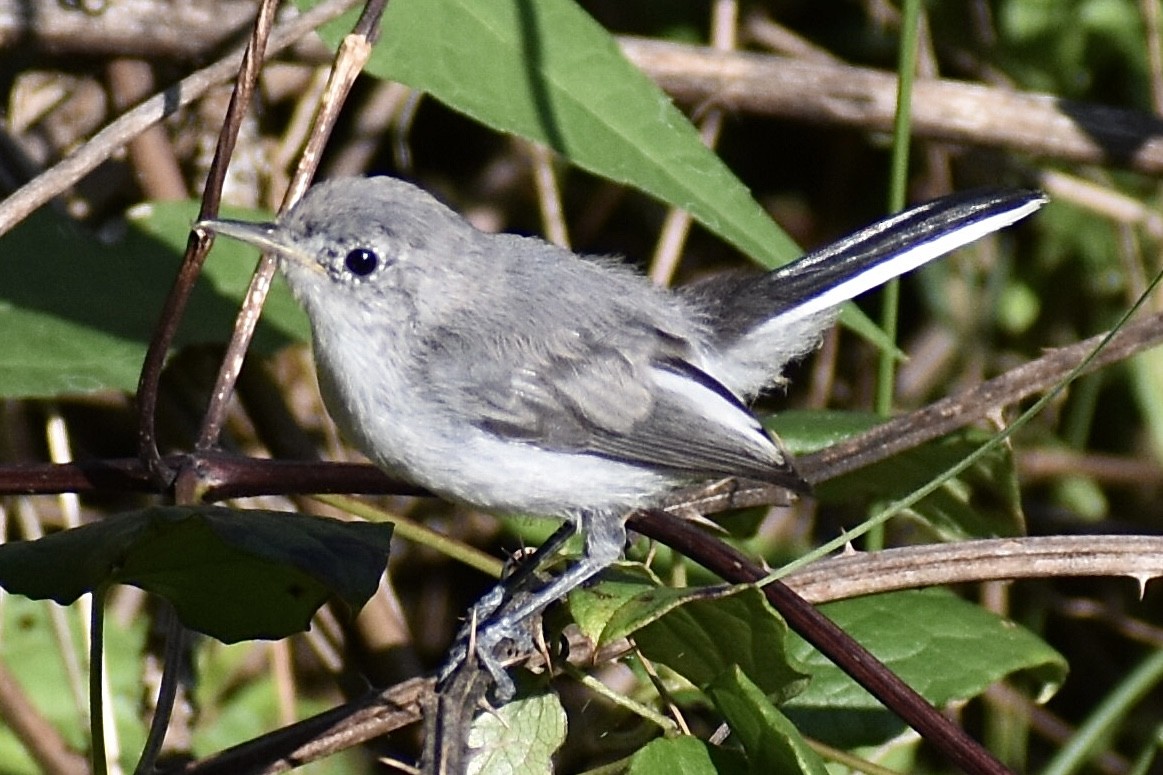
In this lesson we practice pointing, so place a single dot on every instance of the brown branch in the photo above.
(84, 159)
(218, 476)
(225, 476)
(865, 573)
(240, 100)
(954, 111)
(933, 421)
(155, 164)
(1046, 463)
(818, 91)
(121, 475)
(949, 414)
(39, 737)
(138, 28)
(319, 736)
(834, 643)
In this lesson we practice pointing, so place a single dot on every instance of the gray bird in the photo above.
(516, 376)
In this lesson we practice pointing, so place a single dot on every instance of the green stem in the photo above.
(413, 531)
(176, 644)
(1099, 728)
(96, 678)
(906, 68)
(898, 187)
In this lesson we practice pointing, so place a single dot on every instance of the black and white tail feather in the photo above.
(779, 316)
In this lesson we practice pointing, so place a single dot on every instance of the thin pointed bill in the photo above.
(267, 237)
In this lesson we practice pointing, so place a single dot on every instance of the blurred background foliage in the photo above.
(1090, 463)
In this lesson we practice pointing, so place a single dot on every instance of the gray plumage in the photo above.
(462, 358)
(513, 375)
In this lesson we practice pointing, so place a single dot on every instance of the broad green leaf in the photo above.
(772, 743)
(78, 313)
(685, 756)
(944, 647)
(698, 633)
(547, 71)
(231, 574)
(982, 502)
(518, 738)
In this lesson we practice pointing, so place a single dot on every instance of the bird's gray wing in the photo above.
(643, 402)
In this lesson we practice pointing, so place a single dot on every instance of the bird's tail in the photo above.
(761, 323)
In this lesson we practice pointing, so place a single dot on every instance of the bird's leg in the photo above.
(503, 616)
(521, 576)
(514, 585)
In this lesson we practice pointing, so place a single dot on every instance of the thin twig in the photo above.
(677, 225)
(817, 90)
(85, 159)
(197, 247)
(997, 559)
(150, 29)
(323, 735)
(349, 62)
(948, 414)
(177, 642)
(155, 164)
(38, 736)
(1044, 125)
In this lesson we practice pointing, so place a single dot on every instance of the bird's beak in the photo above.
(267, 237)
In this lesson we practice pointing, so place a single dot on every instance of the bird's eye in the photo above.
(361, 261)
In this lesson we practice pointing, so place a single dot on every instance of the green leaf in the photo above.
(77, 313)
(699, 633)
(944, 647)
(547, 71)
(772, 743)
(803, 432)
(685, 756)
(519, 737)
(855, 319)
(231, 574)
(611, 609)
(982, 502)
